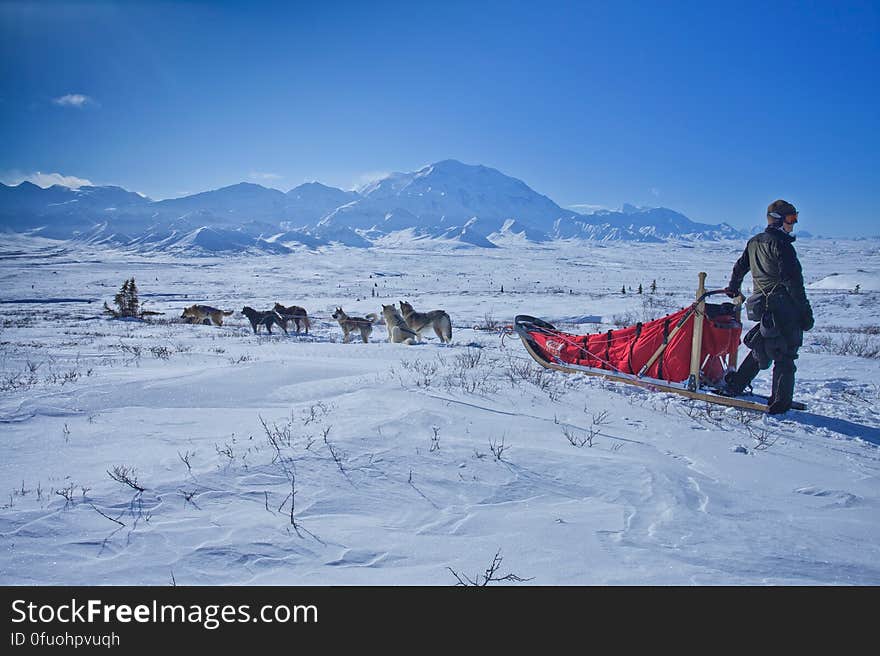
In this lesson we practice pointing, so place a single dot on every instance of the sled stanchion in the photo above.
(676, 328)
(733, 355)
(693, 309)
(693, 382)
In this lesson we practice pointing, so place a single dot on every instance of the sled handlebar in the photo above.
(711, 292)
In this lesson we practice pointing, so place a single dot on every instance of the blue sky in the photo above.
(712, 109)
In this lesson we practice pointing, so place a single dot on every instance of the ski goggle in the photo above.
(777, 215)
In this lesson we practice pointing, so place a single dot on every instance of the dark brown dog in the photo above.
(266, 318)
(294, 313)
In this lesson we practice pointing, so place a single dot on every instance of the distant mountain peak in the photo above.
(450, 165)
(313, 185)
(245, 186)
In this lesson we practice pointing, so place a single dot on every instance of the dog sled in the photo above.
(687, 352)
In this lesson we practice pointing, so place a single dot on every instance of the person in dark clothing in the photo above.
(777, 275)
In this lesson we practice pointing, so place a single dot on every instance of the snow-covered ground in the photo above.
(411, 464)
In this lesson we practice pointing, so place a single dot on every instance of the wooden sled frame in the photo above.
(689, 388)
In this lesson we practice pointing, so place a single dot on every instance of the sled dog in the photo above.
(398, 331)
(199, 313)
(419, 321)
(294, 313)
(352, 324)
(265, 318)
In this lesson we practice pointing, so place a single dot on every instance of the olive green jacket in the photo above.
(775, 269)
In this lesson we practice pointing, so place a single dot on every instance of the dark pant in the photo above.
(782, 354)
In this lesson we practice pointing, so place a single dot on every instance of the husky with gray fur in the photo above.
(364, 325)
(418, 321)
(200, 313)
(398, 331)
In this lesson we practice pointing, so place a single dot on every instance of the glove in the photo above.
(807, 321)
(731, 292)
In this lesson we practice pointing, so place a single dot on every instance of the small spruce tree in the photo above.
(623, 290)
(653, 286)
(640, 288)
(126, 300)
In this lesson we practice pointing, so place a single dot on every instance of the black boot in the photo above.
(783, 387)
(735, 382)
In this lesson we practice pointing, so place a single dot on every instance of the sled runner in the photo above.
(687, 352)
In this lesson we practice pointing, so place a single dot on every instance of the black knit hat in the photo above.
(778, 210)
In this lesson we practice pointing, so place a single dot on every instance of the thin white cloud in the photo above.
(368, 178)
(77, 100)
(586, 207)
(46, 180)
(259, 175)
(655, 192)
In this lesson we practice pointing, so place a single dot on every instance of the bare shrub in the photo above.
(185, 459)
(869, 394)
(743, 416)
(278, 436)
(335, 453)
(56, 378)
(763, 439)
(227, 452)
(103, 514)
(654, 307)
(287, 465)
(66, 493)
(579, 439)
(490, 323)
(9, 382)
(316, 412)
(424, 373)
(705, 411)
(130, 350)
(491, 575)
(126, 476)
(628, 318)
(472, 381)
(469, 359)
(519, 370)
(862, 345)
(863, 330)
(600, 418)
(497, 448)
(585, 438)
(161, 352)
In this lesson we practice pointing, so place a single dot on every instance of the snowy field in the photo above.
(411, 464)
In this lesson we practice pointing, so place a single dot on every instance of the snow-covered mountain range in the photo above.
(449, 202)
